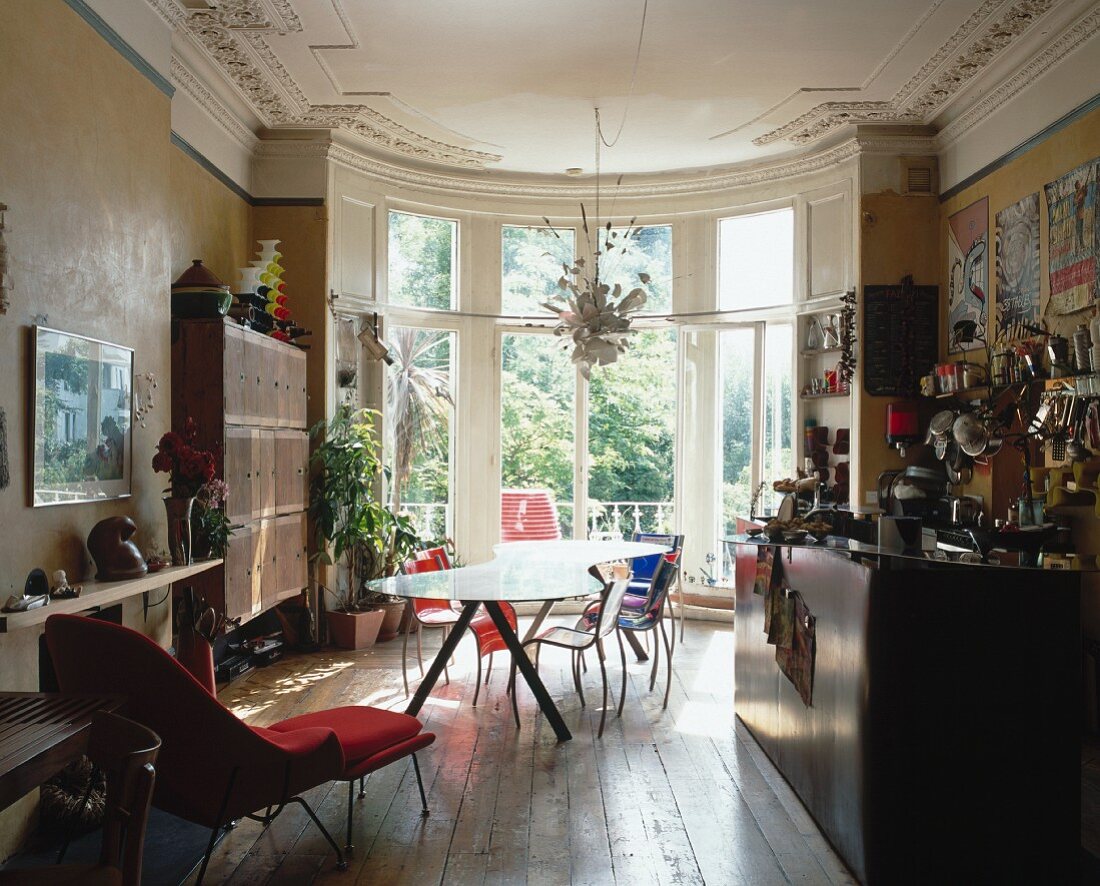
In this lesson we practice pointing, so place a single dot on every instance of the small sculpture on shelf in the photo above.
(61, 589)
(116, 556)
(35, 594)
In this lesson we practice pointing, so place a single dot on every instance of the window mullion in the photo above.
(580, 458)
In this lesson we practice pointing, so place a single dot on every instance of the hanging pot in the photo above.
(940, 426)
(970, 433)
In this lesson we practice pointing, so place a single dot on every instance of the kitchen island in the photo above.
(941, 743)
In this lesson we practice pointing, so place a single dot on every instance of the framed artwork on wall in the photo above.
(968, 272)
(1018, 270)
(1074, 239)
(82, 428)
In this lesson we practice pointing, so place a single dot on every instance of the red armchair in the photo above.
(213, 768)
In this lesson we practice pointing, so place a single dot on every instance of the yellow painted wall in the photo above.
(303, 232)
(897, 237)
(103, 213)
(207, 221)
(1076, 144)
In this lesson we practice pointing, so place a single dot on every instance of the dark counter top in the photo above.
(941, 556)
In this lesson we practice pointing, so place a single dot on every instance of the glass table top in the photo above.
(520, 572)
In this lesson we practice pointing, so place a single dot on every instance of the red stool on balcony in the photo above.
(528, 515)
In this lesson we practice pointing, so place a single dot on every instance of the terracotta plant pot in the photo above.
(354, 630)
(393, 621)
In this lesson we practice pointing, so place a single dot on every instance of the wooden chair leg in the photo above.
(668, 662)
(622, 661)
(603, 678)
(489, 669)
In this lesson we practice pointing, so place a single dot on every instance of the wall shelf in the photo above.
(815, 352)
(97, 594)
(823, 396)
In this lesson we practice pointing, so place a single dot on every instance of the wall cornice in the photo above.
(458, 185)
(1049, 56)
(184, 79)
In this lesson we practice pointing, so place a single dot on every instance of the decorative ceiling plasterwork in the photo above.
(428, 181)
(927, 91)
(234, 37)
(183, 79)
(1087, 27)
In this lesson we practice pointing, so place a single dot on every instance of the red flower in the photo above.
(170, 443)
(190, 430)
(162, 463)
(192, 464)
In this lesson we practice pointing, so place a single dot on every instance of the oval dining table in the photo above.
(520, 572)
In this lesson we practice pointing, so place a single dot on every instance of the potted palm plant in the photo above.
(349, 518)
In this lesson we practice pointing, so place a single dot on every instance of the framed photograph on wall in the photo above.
(82, 430)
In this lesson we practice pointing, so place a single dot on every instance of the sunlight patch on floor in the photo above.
(716, 665)
(711, 719)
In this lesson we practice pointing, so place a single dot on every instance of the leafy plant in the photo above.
(352, 524)
(210, 517)
(418, 394)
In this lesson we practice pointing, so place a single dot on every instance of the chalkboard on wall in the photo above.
(901, 324)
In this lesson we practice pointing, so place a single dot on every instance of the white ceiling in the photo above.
(512, 84)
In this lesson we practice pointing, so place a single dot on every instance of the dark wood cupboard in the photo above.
(247, 395)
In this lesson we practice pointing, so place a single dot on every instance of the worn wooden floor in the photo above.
(676, 796)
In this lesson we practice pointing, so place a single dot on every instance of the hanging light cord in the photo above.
(630, 92)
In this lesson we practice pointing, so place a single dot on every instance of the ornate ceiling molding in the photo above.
(720, 181)
(957, 62)
(1051, 55)
(218, 112)
(234, 37)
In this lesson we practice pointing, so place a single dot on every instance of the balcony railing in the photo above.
(606, 519)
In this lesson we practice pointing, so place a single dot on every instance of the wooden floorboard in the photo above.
(667, 796)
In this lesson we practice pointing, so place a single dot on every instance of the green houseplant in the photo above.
(352, 526)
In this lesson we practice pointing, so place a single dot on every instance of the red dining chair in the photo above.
(213, 768)
(425, 613)
(486, 635)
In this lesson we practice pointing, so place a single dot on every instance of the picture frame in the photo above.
(82, 425)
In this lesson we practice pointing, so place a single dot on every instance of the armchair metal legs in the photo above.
(348, 847)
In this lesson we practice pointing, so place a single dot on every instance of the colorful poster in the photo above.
(1074, 239)
(968, 263)
(1017, 262)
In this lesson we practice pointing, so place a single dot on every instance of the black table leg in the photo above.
(445, 653)
(520, 660)
(636, 646)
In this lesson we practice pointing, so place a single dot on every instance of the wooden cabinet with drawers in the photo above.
(247, 395)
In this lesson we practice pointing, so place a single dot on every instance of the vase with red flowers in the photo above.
(188, 468)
